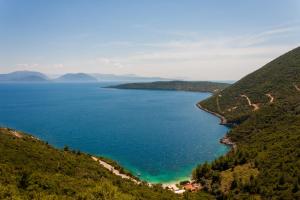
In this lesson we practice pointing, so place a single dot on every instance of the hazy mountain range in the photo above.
(23, 76)
(32, 76)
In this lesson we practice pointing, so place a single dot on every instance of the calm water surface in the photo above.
(161, 135)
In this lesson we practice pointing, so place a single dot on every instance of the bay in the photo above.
(160, 135)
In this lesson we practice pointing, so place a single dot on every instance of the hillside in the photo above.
(274, 81)
(32, 169)
(77, 77)
(23, 76)
(197, 86)
(265, 108)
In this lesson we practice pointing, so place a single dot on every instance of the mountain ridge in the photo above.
(258, 87)
(23, 76)
(34, 76)
(75, 77)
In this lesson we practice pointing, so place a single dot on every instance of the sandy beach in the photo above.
(113, 170)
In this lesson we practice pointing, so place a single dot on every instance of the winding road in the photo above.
(271, 98)
(255, 106)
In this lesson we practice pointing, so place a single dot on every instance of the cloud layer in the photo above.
(186, 54)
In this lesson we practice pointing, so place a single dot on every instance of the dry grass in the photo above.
(241, 172)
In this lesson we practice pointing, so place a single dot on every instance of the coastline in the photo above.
(221, 117)
(115, 171)
(225, 139)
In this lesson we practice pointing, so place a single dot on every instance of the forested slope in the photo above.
(266, 163)
(277, 79)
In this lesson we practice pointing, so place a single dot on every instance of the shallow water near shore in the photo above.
(159, 135)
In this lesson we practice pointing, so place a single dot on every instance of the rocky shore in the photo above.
(227, 141)
(222, 118)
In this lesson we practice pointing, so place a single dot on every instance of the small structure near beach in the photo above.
(192, 186)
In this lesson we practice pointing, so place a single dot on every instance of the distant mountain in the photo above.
(197, 86)
(23, 76)
(32, 76)
(126, 78)
(76, 77)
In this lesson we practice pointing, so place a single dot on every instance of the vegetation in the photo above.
(268, 138)
(277, 78)
(196, 86)
(32, 169)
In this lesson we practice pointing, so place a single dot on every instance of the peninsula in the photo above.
(194, 86)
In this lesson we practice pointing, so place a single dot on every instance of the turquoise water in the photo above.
(160, 135)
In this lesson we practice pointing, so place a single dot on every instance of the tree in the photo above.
(66, 148)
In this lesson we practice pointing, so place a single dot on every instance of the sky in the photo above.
(191, 39)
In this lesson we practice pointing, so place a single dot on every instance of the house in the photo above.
(192, 187)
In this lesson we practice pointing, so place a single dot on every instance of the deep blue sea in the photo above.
(160, 135)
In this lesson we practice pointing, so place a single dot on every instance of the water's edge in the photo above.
(225, 140)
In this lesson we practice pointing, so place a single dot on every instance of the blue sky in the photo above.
(199, 40)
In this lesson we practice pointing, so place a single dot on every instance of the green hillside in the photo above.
(196, 86)
(32, 169)
(266, 162)
(277, 78)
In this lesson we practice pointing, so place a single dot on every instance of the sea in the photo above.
(158, 135)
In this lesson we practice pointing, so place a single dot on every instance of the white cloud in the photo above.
(105, 62)
(267, 35)
(191, 56)
(59, 66)
(204, 58)
(25, 66)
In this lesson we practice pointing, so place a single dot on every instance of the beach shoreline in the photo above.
(179, 188)
(175, 186)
